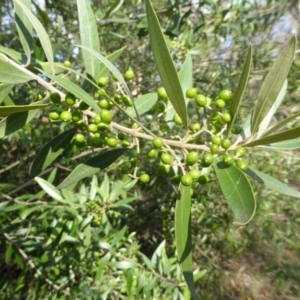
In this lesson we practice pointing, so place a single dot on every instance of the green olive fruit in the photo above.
(186, 180)
(106, 116)
(163, 169)
(226, 95)
(215, 117)
(83, 106)
(195, 127)
(122, 136)
(112, 142)
(133, 161)
(151, 153)
(207, 159)
(102, 92)
(102, 126)
(67, 64)
(103, 81)
(55, 97)
(201, 100)
(76, 117)
(164, 127)
(54, 116)
(93, 128)
(166, 158)
(176, 179)
(160, 106)
(66, 116)
(236, 129)
(104, 104)
(195, 174)
(97, 142)
(242, 165)
(226, 144)
(114, 77)
(216, 140)
(177, 119)
(162, 93)
(97, 119)
(144, 178)
(125, 144)
(70, 99)
(191, 158)
(79, 140)
(226, 117)
(203, 179)
(39, 97)
(220, 103)
(228, 159)
(191, 92)
(157, 142)
(127, 101)
(129, 75)
(216, 128)
(214, 149)
(118, 99)
(240, 151)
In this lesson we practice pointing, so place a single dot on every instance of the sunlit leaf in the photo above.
(183, 235)
(273, 183)
(237, 191)
(9, 110)
(238, 95)
(273, 84)
(51, 190)
(51, 151)
(165, 65)
(92, 166)
(143, 104)
(5, 89)
(285, 145)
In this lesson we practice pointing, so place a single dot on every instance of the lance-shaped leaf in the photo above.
(24, 28)
(9, 110)
(41, 32)
(183, 236)
(273, 183)
(285, 145)
(92, 166)
(238, 192)
(275, 138)
(51, 151)
(143, 104)
(273, 84)
(165, 65)
(89, 37)
(238, 95)
(5, 90)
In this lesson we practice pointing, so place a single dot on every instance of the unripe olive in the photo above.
(66, 116)
(70, 99)
(195, 127)
(191, 158)
(226, 144)
(203, 179)
(106, 116)
(160, 106)
(127, 101)
(125, 144)
(97, 119)
(55, 97)
(122, 136)
(216, 140)
(67, 64)
(191, 92)
(228, 159)
(214, 149)
(79, 140)
(151, 153)
(186, 180)
(83, 105)
(112, 142)
(157, 142)
(164, 127)
(54, 116)
(144, 178)
(220, 103)
(177, 119)
(226, 117)
(104, 104)
(195, 174)
(226, 95)
(207, 159)
(97, 142)
(242, 165)
(129, 75)
(76, 116)
(102, 126)
(93, 128)
(162, 93)
(166, 158)
(236, 129)
(240, 151)
(216, 128)
(201, 100)
(176, 178)
(163, 169)
(103, 81)
(118, 99)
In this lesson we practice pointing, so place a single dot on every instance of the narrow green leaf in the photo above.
(273, 83)
(9, 110)
(51, 190)
(238, 95)
(165, 65)
(41, 32)
(143, 104)
(51, 151)
(237, 191)
(92, 166)
(183, 236)
(89, 37)
(9, 74)
(285, 145)
(24, 28)
(113, 8)
(5, 89)
(273, 183)
(275, 138)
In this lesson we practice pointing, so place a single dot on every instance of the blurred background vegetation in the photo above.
(46, 249)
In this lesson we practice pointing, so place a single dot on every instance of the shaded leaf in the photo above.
(51, 190)
(238, 95)
(5, 90)
(143, 104)
(41, 32)
(237, 191)
(89, 37)
(273, 84)
(92, 166)
(288, 145)
(9, 110)
(165, 65)
(51, 151)
(183, 236)
(272, 183)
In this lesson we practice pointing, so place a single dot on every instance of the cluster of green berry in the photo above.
(94, 210)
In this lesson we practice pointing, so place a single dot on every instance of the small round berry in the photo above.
(191, 158)
(242, 165)
(103, 81)
(122, 136)
(176, 179)
(163, 169)
(195, 174)
(226, 144)
(157, 142)
(162, 93)
(177, 119)
(97, 119)
(226, 117)
(236, 129)
(186, 180)
(191, 92)
(195, 127)
(129, 75)
(104, 104)
(118, 99)
(70, 99)
(164, 127)
(106, 116)
(54, 116)
(220, 103)
(151, 153)
(226, 95)
(166, 158)
(55, 97)
(83, 106)
(240, 151)
(201, 100)
(216, 140)
(214, 149)
(203, 179)
(76, 116)
(102, 126)
(125, 144)
(160, 106)
(97, 142)
(127, 101)
(228, 159)
(79, 140)
(67, 64)
(144, 178)
(66, 116)
(112, 142)
(93, 128)
(207, 159)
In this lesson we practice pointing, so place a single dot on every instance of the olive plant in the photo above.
(100, 114)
